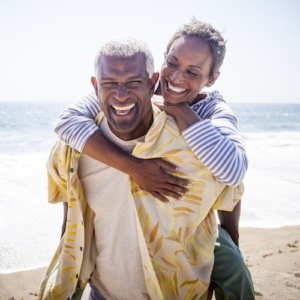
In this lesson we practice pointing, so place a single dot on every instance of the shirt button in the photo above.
(71, 170)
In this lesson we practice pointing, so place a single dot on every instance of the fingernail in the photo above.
(178, 169)
(187, 192)
(189, 184)
(180, 197)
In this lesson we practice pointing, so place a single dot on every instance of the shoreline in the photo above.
(272, 255)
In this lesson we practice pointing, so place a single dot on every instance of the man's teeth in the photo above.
(175, 89)
(123, 110)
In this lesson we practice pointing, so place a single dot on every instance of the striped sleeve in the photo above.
(216, 140)
(76, 123)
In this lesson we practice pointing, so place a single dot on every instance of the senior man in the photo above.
(130, 244)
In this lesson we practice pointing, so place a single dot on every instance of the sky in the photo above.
(47, 48)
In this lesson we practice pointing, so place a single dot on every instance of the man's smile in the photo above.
(123, 110)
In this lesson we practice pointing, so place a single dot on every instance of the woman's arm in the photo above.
(77, 128)
(210, 129)
(76, 123)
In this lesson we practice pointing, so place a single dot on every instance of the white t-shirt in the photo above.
(119, 271)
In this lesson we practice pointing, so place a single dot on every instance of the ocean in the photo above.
(30, 227)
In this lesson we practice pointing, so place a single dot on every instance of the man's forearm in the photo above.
(63, 229)
(230, 222)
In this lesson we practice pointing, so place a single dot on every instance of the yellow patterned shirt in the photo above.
(176, 240)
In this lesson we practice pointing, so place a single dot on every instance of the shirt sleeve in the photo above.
(216, 140)
(229, 197)
(76, 123)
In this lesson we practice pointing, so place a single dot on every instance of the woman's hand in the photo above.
(184, 115)
(149, 174)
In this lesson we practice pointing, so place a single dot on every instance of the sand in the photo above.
(273, 257)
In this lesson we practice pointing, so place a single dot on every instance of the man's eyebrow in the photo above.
(107, 78)
(139, 76)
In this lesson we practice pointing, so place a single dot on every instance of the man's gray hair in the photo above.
(210, 35)
(125, 46)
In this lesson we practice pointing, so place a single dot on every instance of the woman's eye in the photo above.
(192, 73)
(169, 63)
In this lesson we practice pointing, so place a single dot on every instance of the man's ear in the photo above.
(213, 80)
(153, 81)
(95, 84)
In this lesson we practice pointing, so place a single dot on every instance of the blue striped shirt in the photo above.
(215, 139)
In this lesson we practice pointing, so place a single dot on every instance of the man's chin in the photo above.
(122, 130)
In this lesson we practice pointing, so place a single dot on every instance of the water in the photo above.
(30, 227)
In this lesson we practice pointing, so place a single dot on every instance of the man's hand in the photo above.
(149, 174)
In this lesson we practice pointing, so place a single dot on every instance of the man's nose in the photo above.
(177, 76)
(121, 93)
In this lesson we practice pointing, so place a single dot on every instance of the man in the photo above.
(100, 200)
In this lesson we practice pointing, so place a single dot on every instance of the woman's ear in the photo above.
(211, 80)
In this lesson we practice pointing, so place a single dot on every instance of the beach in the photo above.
(272, 255)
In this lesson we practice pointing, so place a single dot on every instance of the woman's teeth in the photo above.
(123, 110)
(175, 89)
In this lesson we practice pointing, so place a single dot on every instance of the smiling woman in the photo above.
(184, 74)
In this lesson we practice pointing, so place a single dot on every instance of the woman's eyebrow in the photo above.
(192, 66)
(195, 67)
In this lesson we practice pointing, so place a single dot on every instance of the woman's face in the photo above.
(186, 70)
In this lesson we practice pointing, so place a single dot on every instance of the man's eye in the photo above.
(132, 84)
(109, 84)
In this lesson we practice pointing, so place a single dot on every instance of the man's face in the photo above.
(186, 70)
(124, 93)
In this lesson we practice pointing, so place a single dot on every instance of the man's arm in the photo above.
(63, 229)
(230, 222)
